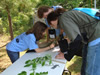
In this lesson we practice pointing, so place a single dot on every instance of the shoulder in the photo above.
(70, 14)
(31, 36)
(64, 15)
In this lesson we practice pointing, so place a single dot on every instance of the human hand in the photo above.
(52, 46)
(60, 56)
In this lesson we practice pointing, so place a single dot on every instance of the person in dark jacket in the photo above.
(80, 28)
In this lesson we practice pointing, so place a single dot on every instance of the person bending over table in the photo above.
(80, 28)
(27, 40)
(43, 12)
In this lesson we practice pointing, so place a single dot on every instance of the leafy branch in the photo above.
(46, 60)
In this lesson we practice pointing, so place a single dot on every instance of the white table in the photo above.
(18, 66)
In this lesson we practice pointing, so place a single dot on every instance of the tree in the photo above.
(15, 8)
(69, 4)
(7, 5)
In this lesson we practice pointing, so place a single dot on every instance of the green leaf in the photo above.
(27, 65)
(43, 73)
(32, 73)
(34, 65)
(50, 61)
(39, 61)
(46, 58)
(28, 61)
(37, 74)
(34, 60)
(43, 63)
(23, 73)
(46, 72)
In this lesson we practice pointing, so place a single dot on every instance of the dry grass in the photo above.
(75, 65)
(4, 59)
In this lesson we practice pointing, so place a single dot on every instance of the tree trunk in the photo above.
(10, 23)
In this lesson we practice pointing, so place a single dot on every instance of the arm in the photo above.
(69, 50)
(38, 50)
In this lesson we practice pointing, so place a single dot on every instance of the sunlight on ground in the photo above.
(4, 59)
(75, 65)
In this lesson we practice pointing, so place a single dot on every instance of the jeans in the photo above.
(93, 60)
(13, 55)
(84, 55)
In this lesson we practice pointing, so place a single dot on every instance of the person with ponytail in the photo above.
(27, 40)
(80, 28)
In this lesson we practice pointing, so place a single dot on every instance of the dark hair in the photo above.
(42, 10)
(55, 14)
(37, 30)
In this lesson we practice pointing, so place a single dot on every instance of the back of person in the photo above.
(75, 23)
(21, 42)
(85, 23)
(95, 13)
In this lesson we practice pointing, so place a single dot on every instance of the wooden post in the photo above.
(10, 23)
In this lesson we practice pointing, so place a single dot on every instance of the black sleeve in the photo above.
(71, 49)
(33, 50)
(76, 43)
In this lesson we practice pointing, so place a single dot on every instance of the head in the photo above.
(52, 17)
(38, 30)
(43, 11)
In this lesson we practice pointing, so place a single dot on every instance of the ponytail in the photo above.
(59, 11)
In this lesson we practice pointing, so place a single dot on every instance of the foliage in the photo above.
(38, 60)
(21, 14)
(22, 11)
(98, 4)
(1, 27)
(41, 73)
(69, 4)
(23, 73)
(46, 60)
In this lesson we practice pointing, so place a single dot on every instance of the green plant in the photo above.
(46, 60)
(23, 73)
(38, 60)
(41, 73)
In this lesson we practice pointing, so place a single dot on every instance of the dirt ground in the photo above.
(4, 59)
